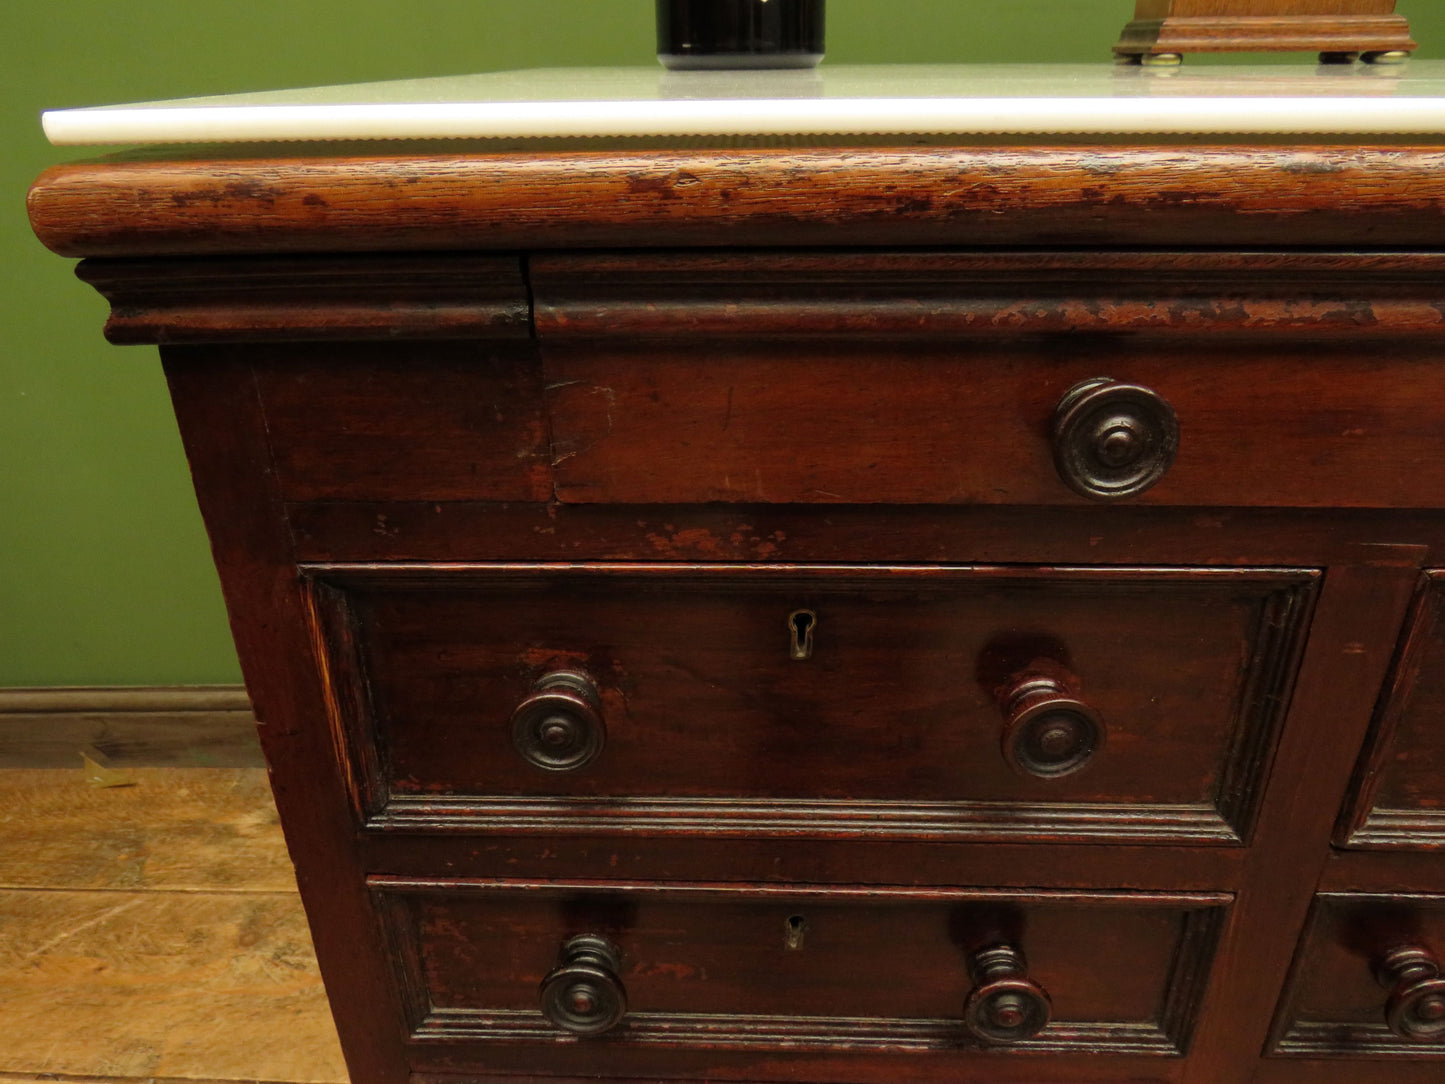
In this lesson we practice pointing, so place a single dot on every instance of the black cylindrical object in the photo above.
(712, 34)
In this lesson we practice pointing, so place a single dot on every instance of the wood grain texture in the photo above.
(961, 297)
(736, 983)
(1158, 9)
(405, 420)
(893, 727)
(1061, 195)
(1398, 797)
(1266, 33)
(822, 401)
(212, 830)
(140, 985)
(1292, 424)
(439, 297)
(1333, 1005)
(224, 432)
(183, 726)
(362, 532)
(1359, 609)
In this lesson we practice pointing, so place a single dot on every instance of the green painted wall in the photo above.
(105, 577)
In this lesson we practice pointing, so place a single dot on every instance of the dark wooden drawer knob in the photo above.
(1416, 1008)
(582, 995)
(1004, 1005)
(559, 727)
(1113, 440)
(1048, 732)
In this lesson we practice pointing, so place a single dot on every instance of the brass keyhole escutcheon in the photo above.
(801, 624)
(794, 932)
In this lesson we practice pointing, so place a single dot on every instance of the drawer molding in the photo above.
(914, 296)
(1345, 938)
(959, 821)
(1201, 916)
(1277, 605)
(740, 1031)
(1402, 747)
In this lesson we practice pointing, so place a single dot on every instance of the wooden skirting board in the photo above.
(204, 726)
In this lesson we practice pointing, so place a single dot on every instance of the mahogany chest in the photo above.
(863, 615)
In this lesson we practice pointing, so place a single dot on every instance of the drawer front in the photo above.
(1284, 424)
(918, 701)
(1367, 980)
(1398, 799)
(600, 972)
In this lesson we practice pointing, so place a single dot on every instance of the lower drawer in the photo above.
(1367, 980)
(610, 978)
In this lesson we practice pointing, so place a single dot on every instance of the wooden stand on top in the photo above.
(1341, 31)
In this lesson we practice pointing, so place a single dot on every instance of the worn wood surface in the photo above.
(1058, 196)
(439, 297)
(406, 421)
(1399, 792)
(199, 726)
(739, 980)
(938, 424)
(1350, 646)
(818, 403)
(208, 830)
(1334, 1005)
(365, 531)
(154, 932)
(191, 984)
(224, 433)
(880, 732)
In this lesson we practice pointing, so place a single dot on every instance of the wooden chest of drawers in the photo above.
(919, 614)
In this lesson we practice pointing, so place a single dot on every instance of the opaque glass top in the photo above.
(1023, 99)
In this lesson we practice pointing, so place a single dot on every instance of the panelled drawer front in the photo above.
(797, 969)
(1367, 979)
(1398, 800)
(908, 717)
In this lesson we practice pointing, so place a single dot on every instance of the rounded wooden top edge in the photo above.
(245, 202)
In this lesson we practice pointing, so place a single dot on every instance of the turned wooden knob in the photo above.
(559, 727)
(1416, 1007)
(1113, 440)
(1004, 1006)
(1048, 732)
(582, 995)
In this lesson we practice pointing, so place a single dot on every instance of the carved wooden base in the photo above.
(1372, 36)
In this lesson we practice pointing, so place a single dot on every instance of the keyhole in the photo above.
(801, 624)
(797, 929)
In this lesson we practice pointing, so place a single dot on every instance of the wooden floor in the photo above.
(153, 932)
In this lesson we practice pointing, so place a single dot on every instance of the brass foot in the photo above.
(1391, 56)
(1161, 60)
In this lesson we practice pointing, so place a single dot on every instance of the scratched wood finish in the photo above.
(893, 726)
(771, 967)
(1292, 323)
(1399, 794)
(936, 424)
(224, 433)
(191, 830)
(143, 985)
(362, 532)
(1052, 195)
(433, 297)
(406, 421)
